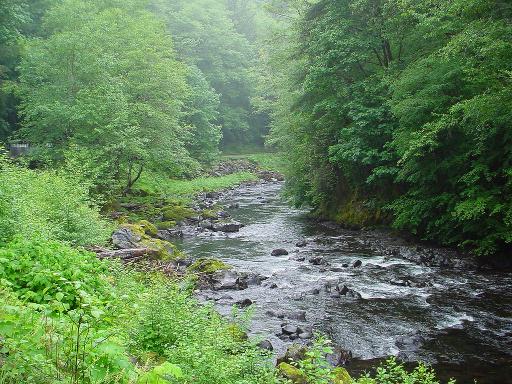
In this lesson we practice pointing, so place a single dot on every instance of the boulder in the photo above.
(226, 279)
(266, 344)
(294, 352)
(299, 315)
(279, 252)
(289, 329)
(295, 375)
(244, 303)
(317, 260)
(126, 237)
(357, 264)
(341, 376)
(305, 335)
(228, 227)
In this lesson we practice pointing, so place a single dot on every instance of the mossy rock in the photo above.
(166, 250)
(295, 375)
(236, 332)
(207, 265)
(149, 228)
(135, 229)
(209, 214)
(165, 224)
(341, 376)
(177, 213)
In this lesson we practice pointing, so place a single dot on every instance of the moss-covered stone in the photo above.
(209, 214)
(149, 228)
(136, 229)
(165, 224)
(341, 376)
(207, 265)
(177, 213)
(166, 250)
(292, 373)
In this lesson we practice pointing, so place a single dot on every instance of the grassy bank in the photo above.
(270, 161)
(156, 184)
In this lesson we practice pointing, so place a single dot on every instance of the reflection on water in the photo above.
(459, 322)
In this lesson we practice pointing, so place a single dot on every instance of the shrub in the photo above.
(169, 323)
(391, 372)
(39, 348)
(42, 271)
(45, 204)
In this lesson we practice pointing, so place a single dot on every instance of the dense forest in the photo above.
(399, 112)
(115, 115)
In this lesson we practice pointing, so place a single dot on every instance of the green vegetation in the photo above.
(155, 184)
(49, 205)
(400, 107)
(381, 112)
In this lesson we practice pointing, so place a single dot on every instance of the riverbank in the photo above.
(68, 316)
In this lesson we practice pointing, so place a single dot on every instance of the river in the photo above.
(458, 320)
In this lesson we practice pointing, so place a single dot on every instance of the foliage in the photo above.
(47, 205)
(167, 322)
(156, 184)
(42, 271)
(400, 107)
(67, 337)
(392, 372)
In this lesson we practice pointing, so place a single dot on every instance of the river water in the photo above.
(460, 321)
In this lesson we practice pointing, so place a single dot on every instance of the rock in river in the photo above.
(279, 252)
(232, 226)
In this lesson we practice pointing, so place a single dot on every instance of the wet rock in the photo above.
(400, 282)
(301, 243)
(223, 214)
(266, 344)
(317, 260)
(344, 265)
(212, 195)
(315, 291)
(254, 279)
(357, 264)
(339, 357)
(299, 315)
(278, 314)
(233, 226)
(343, 290)
(305, 335)
(279, 252)
(244, 303)
(336, 269)
(225, 280)
(234, 205)
(169, 234)
(288, 329)
(207, 224)
(410, 342)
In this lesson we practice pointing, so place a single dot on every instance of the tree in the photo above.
(104, 91)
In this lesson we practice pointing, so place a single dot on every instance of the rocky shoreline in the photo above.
(214, 214)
